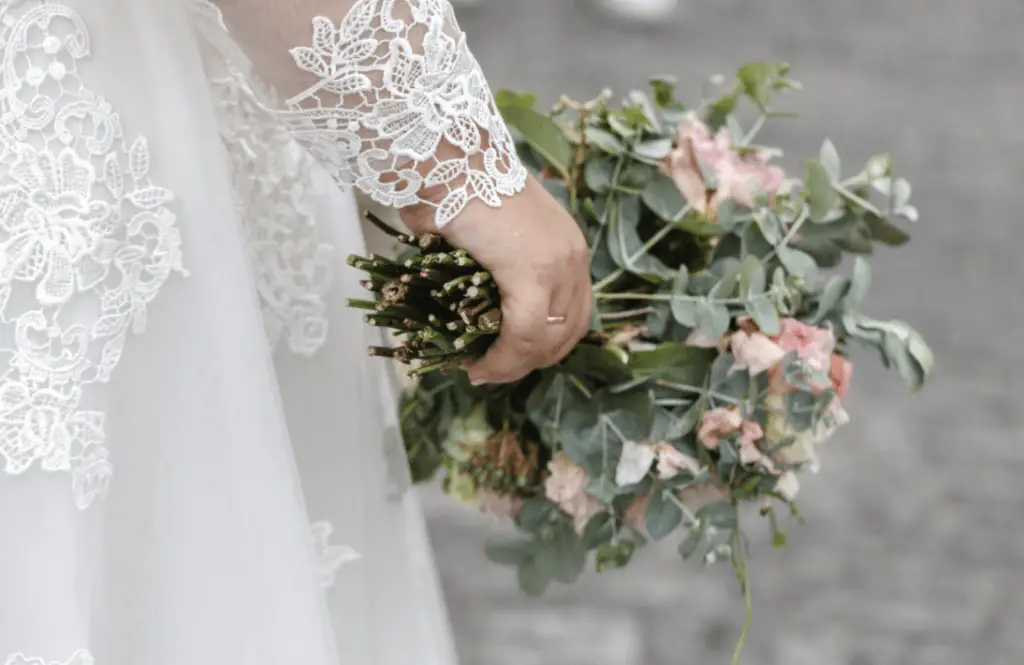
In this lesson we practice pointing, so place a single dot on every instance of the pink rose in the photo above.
(755, 352)
(813, 345)
(740, 178)
(715, 424)
(671, 461)
(840, 372)
(711, 151)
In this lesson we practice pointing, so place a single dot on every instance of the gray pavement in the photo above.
(913, 550)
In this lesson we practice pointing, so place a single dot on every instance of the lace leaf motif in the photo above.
(395, 82)
(80, 657)
(86, 243)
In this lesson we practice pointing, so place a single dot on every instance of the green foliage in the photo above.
(669, 272)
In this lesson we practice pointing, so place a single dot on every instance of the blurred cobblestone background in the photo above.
(913, 550)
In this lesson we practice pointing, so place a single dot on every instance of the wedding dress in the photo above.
(198, 463)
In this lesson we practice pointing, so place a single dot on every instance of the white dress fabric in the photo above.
(198, 463)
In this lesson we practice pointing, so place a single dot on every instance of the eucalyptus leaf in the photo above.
(603, 140)
(831, 294)
(543, 135)
(662, 515)
(598, 174)
(829, 158)
(663, 198)
(712, 318)
(626, 247)
(614, 555)
(769, 224)
(533, 581)
(798, 263)
(720, 514)
(653, 149)
(885, 231)
(859, 285)
(688, 546)
(821, 196)
(600, 529)
(508, 552)
(688, 421)
(683, 306)
(763, 311)
(752, 278)
(561, 554)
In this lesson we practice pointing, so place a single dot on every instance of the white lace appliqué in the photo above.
(396, 90)
(80, 657)
(329, 557)
(276, 198)
(86, 242)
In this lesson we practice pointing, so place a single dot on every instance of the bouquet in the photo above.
(717, 362)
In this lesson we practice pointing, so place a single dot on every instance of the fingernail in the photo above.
(477, 382)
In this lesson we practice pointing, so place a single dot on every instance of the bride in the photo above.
(200, 466)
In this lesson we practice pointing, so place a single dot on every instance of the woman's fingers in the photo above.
(522, 343)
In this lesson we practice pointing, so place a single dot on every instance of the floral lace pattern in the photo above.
(396, 87)
(80, 657)
(86, 242)
(275, 196)
(329, 557)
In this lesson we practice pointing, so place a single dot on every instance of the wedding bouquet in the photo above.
(717, 363)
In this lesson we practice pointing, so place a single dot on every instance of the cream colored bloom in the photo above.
(755, 352)
(469, 434)
(788, 485)
(566, 479)
(671, 461)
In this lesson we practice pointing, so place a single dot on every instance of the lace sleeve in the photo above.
(387, 95)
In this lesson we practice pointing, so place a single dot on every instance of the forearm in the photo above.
(387, 94)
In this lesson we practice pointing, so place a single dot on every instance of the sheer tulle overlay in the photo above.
(200, 465)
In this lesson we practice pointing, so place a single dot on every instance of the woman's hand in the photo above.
(540, 261)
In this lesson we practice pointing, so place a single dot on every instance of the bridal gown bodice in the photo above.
(198, 463)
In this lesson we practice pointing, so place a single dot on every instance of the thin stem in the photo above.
(383, 226)
(758, 125)
(692, 520)
(740, 566)
(647, 247)
(696, 390)
(665, 297)
(628, 314)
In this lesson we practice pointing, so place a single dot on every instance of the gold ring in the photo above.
(557, 320)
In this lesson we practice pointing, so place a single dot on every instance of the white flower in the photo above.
(466, 435)
(635, 462)
(788, 486)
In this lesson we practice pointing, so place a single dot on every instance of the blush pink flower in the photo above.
(565, 485)
(814, 345)
(671, 461)
(840, 372)
(715, 424)
(722, 421)
(565, 481)
(740, 178)
(754, 352)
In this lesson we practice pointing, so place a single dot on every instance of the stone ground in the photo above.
(913, 550)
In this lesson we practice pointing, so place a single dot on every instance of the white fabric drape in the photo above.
(199, 463)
